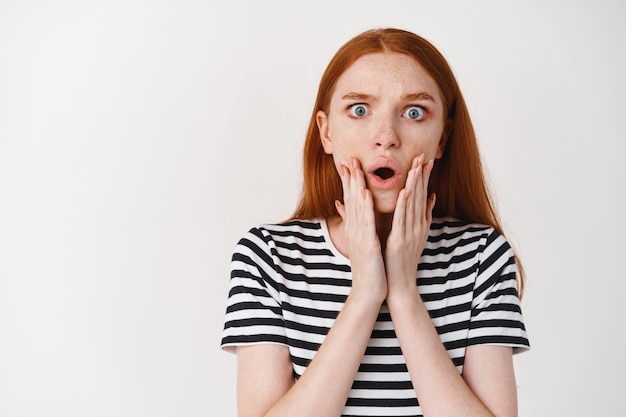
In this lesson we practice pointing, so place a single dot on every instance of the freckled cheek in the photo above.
(343, 154)
(431, 152)
(341, 157)
(425, 141)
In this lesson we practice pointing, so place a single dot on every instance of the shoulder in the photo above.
(293, 230)
(481, 248)
(264, 250)
(289, 252)
(272, 238)
(447, 233)
(449, 227)
(470, 246)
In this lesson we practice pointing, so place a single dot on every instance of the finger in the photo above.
(427, 170)
(352, 195)
(357, 179)
(368, 209)
(354, 164)
(411, 179)
(360, 179)
(399, 215)
(343, 171)
(364, 210)
(415, 202)
(421, 185)
(357, 172)
(344, 174)
(413, 196)
(428, 202)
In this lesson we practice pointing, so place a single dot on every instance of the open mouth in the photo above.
(384, 173)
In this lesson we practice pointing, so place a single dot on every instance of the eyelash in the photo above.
(349, 108)
(422, 108)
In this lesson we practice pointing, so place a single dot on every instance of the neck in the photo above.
(383, 227)
(335, 229)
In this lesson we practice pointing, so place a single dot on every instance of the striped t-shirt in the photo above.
(288, 284)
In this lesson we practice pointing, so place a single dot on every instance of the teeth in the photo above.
(384, 173)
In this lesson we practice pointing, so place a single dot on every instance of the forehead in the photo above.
(388, 72)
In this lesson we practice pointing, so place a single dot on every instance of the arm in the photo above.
(265, 384)
(489, 373)
(489, 385)
(265, 381)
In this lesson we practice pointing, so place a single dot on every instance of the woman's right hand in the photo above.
(359, 226)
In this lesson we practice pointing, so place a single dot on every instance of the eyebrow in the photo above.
(368, 97)
(419, 96)
(359, 96)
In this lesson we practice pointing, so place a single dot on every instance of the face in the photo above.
(385, 110)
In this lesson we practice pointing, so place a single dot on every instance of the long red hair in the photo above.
(457, 178)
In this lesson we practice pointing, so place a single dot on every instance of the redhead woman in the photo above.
(392, 291)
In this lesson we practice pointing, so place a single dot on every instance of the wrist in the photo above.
(403, 298)
(366, 297)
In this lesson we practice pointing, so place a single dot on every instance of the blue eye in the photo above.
(415, 113)
(359, 110)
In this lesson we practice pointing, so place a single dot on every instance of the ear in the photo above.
(447, 129)
(322, 125)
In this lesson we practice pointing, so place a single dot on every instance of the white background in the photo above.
(140, 139)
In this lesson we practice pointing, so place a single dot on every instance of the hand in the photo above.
(359, 223)
(409, 229)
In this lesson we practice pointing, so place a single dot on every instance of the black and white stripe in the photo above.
(288, 284)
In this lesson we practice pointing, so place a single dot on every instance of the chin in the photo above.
(385, 205)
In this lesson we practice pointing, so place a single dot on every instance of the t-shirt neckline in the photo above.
(329, 242)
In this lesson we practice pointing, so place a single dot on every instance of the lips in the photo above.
(384, 173)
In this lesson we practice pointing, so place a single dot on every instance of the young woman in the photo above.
(392, 291)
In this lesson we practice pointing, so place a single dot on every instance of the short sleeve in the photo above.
(253, 309)
(496, 316)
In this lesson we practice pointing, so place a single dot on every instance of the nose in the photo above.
(387, 136)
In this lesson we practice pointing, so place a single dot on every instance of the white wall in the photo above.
(140, 139)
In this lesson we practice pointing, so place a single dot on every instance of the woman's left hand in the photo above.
(409, 229)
